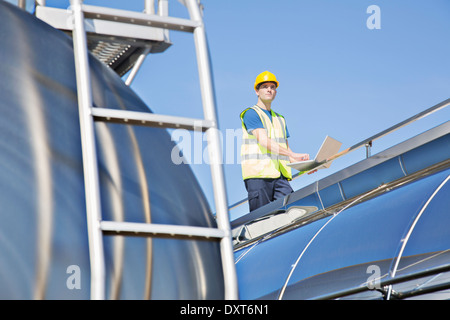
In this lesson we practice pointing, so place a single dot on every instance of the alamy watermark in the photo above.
(373, 281)
(374, 20)
(192, 147)
(73, 281)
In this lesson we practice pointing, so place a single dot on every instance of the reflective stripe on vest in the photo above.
(257, 161)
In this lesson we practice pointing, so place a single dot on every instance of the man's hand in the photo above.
(274, 147)
(296, 157)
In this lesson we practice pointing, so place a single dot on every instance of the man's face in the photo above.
(267, 91)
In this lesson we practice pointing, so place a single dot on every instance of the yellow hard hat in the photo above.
(265, 76)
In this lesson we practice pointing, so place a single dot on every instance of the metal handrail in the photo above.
(389, 282)
(368, 141)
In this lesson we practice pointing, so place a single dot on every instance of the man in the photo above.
(265, 151)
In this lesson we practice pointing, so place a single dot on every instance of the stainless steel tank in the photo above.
(43, 232)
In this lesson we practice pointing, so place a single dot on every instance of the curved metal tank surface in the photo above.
(399, 232)
(43, 238)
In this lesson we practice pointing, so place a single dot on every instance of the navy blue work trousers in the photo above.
(262, 191)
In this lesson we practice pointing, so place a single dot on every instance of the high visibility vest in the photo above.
(257, 161)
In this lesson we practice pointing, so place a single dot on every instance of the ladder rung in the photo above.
(160, 230)
(150, 119)
(126, 16)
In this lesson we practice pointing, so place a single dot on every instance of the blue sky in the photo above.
(337, 77)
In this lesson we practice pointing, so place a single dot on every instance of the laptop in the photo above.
(328, 148)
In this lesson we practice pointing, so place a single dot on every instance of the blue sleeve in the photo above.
(252, 120)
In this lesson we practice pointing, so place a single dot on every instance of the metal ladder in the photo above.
(88, 114)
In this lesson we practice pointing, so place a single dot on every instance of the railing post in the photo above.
(368, 149)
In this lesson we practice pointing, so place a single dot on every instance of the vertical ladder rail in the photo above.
(92, 189)
(214, 151)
